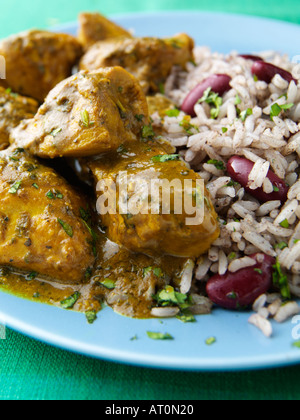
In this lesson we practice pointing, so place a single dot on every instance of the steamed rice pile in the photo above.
(247, 226)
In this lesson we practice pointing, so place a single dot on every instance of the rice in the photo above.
(247, 226)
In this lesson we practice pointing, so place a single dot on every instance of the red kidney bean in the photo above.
(219, 83)
(266, 71)
(251, 57)
(241, 289)
(239, 169)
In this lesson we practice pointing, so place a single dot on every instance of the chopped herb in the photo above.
(148, 132)
(245, 114)
(187, 126)
(169, 297)
(210, 341)
(69, 302)
(186, 317)
(224, 130)
(66, 227)
(50, 195)
(31, 276)
(165, 158)
(232, 256)
(91, 316)
(159, 336)
(15, 187)
(213, 99)
(218, 164)
(296, 241)
(276, 109)
(238, 100)
(258, 270)
(161, 88)
(255, 78)
(275, 189)
(55, 132)
(296, 344)
(156, 271)
(172, 112)
(280, 280)
(134, 338)
(35, 186)
(281, 245)
(285, 224)
(232, 295)
(85, 118)
(108, 284)
(140, 117)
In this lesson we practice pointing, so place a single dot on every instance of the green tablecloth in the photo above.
(33, 370)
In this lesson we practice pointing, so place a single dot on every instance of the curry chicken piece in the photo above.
(87, 114)
(163, 231)
(94, 27)
(41, 229)
(37, 60)
(150, 60)
(13, 109)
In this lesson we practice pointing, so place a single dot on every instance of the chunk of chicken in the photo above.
(37, 60)
(13, 109)
(41, 229)
(163, 229)
(150, 60)
(87, 114)
(94, 27)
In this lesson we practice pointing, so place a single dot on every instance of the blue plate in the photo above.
(238, 345)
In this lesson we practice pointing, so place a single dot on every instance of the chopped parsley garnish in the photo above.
(280, 280)
(85, 119)
(285, 224)
(281, 245)
(211, 340)
(35, 186)
(296, 344)
(245, 114)
(224, 130)
(15, 187)
(31, 276)
(165, 158)
(159, 336)
(148, 132)
(218, 164)
(91, 316)
(213, 99)
(238, 100)
(187, 126)
(258, 270)
(140, 117)
(276, 109)
(169, 297)
(108, 284)
(172, 112)
(155, 270)
(186, 317)
(55, 132)
(69, 302)
(52, 195)
(66, 227)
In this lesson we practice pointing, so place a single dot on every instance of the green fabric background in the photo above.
(35, 371)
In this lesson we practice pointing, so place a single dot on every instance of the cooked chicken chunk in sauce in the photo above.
(37, 60)
(158, 232)
(13, 109)
(94, 27)
(150, 60)
(41, 225)
(87, 114)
